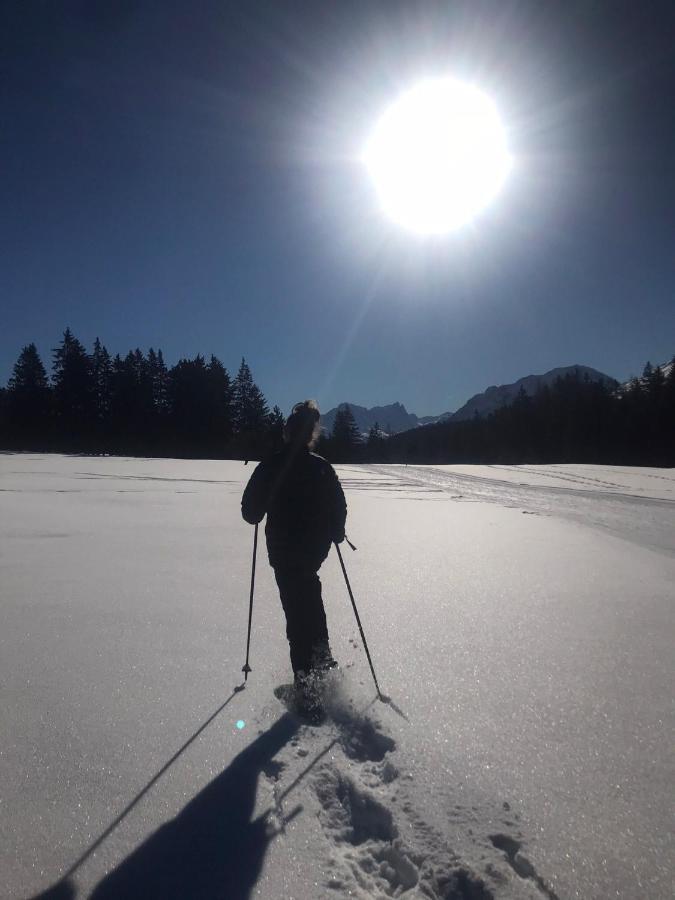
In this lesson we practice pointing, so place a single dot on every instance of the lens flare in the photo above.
(438, 156)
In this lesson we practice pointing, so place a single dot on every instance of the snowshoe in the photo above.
(303, 698)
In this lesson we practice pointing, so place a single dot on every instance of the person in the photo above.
(306, 512)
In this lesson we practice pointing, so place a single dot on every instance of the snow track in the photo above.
(638, 508)
(377, 842)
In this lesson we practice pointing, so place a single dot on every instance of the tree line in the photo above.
(573, 420)
(136, 405)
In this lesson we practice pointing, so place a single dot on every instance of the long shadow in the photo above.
(211, 849)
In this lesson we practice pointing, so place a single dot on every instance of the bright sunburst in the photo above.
(438, 155)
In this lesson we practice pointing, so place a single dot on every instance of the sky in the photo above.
(189, 177)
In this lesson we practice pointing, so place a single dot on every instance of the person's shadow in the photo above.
(212, 849)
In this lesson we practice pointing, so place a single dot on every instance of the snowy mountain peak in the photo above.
(391, 418)
(497, 396)
(394, 417)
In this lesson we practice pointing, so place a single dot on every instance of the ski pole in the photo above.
(358, 622)
(246, 668)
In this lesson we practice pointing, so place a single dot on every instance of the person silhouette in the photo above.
(306, 510)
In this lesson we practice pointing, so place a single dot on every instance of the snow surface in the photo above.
(520, 618)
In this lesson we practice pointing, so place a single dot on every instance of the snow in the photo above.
(520, 618)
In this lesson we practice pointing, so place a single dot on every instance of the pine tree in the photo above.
(655, 383)
(189, 403)
(6, 438)
(28, 397)
(669, 405)
(260, 413)
(375, 442)
(102, 372)
(122, 391)
(220, 403)
(241, 396)
(159, 382)
(276, 429)
(144, 405)
(29, 373)
(345, 437)
(250, 409)
(74, 392)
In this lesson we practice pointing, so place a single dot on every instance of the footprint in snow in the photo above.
(520, 864)
(364, 835)
(362, 741)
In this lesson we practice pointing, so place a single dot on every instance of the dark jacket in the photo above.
(305, 506)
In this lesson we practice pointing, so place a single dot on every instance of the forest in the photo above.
(136, 405)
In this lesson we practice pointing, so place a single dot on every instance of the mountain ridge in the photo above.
(395, 418)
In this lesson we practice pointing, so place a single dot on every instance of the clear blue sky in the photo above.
(183, 175)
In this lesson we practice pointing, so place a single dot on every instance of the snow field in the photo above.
(531, 654)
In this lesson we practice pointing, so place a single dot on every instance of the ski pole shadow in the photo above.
(212, 850)
(387, 700)
(211, 838)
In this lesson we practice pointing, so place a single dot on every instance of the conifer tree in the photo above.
(220, 403)
(28, 396)
(251, 413)
(189, 403)
(74, 391)
(29, 373)
(102, 372)
(144, 403)
(375, 442)
(669, 404)
(345, 437)
(259, 414)
(159, 382)
(655, 383)
(670, 381)
(6, 438)
(276, 428)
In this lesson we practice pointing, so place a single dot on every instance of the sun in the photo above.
(438, 155)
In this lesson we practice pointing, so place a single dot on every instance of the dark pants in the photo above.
(306, 629)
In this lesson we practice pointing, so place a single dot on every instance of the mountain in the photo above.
(666, 369)
(392, 418)
(497, 396)
(395, 418)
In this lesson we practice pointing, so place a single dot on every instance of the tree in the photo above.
(159, 383)
(655, 382)
(219, 386)
(669, 404)
(102, 371)
(276, 429)
(190, 412)
(345, 437)
(251, 414)
(74, 391)
(375, 443)
(5, 435)
(28, 397)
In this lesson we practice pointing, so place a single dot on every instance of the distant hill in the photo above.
(497, 396)
(392, 418)
(395, 418)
